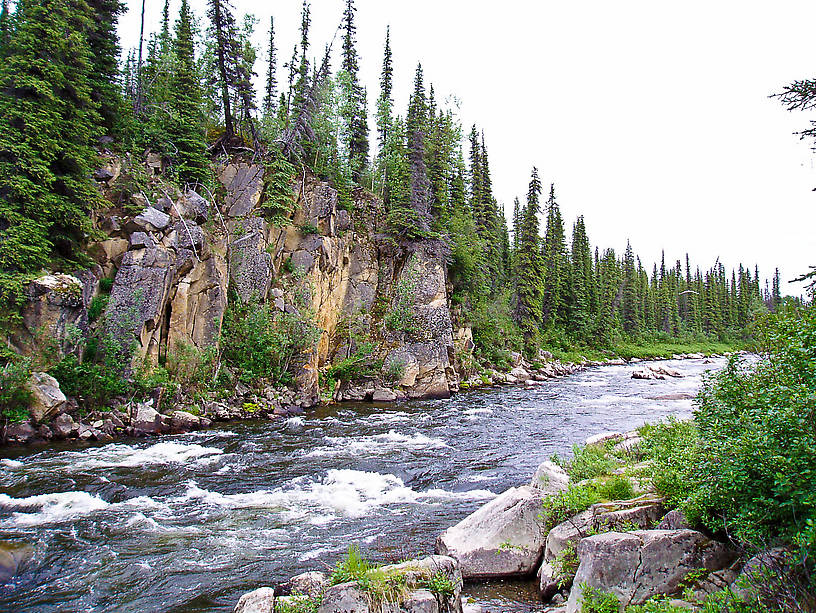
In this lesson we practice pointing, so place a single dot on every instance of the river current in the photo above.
(191, 522)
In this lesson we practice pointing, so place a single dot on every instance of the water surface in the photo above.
(191, 522)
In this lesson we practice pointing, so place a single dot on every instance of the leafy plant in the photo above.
(402, 317)
(594, 600)
(15, 397)
(589, 462)
(97, 307)
(565, 565)
(308, 228)
(560, 507)
(616, 488)
(440, 583)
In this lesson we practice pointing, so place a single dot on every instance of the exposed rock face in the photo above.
(503, 538)
(55, 304)
(47, 398)
(638, 565)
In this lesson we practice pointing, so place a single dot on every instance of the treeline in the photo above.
(188, 92)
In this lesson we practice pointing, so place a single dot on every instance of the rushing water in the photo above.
(190, 522)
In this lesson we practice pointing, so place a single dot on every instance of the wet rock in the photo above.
(47, 398)
(87, 433)
(603, 437)
(548, 581)
(64, 426)
(20, 433)
(501, 539)
(258, 601)
(383, 395)
(13, 557)
(639, 565)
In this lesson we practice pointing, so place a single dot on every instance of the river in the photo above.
(191, 522)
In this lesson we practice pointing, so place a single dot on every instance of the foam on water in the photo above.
(349, 493)
(50, 508)
(115, 455)
(377, 444)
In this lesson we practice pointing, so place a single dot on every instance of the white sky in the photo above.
(651, 117)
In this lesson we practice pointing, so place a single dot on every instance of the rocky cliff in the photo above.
(177, 261)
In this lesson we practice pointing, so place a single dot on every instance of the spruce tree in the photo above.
(223, 35)
(104, 45)
(555, 265)
(5, 27)
(48, 122)
(353, 110)
(528, 268)
(629, 313)
(385, 103)
(271, 90)
(186, 128)
(416, 125)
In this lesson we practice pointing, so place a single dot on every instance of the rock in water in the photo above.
(12, 557)
(504, 538)
(639, 565)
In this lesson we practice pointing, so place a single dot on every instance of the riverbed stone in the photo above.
(64, 426)
(146, 419)
(638, 565)
(309, 584)
(261, 600)
(344, 598)
(504, 538)
(184, 421)
(13, 556)
(20, 433)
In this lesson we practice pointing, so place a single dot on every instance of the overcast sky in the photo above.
(652, 118)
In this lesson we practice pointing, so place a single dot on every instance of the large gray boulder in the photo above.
(149, 220)
(638, 565)
(261, 600)
(64, 426)
(344, 598)
(145, 419)
(47, 400)
(503, 538)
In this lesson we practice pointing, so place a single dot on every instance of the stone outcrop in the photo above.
(503, 538)
(636, 566)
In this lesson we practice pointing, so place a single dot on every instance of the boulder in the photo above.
(344, 598)
(503, 538)
(184, 422)
(47, 400)
(638, 565)
(13, 556)
(193, 207)
(189, 235)
(548, 581)
(603, 437)
(309, 584)
(64, 426)
(145, 419)
(674, 520)
(258, 601)
(550, 478)
(244, 184)
(19, 433)
(775, 561)
(149, 220)
(141, 240)
(383, 395)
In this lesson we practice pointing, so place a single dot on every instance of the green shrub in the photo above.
(308, 228)
(589, 462)
(402, 317)
(105, 285)
(191, 369)
(595, 601)
(97, 307)
(299, 604)
(656, 605)
(439, 583)
(560, 507)
(15, 398)
(674, 450)
(260, 342)
(93, 384)
(616, 488)
(565, 565)
(353, 567)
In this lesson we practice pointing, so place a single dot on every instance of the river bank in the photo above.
(191, 522)
(57, 418)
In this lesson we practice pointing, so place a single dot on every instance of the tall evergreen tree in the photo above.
(223, 35)
(416, 125)
(353, 110)
(528, 268)
(385, 103)
(555, 265)
(629, 313)
(186, 127)
(271, 95)
(5, 26)
(48, 122)
(776, 292)
(104, 44)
